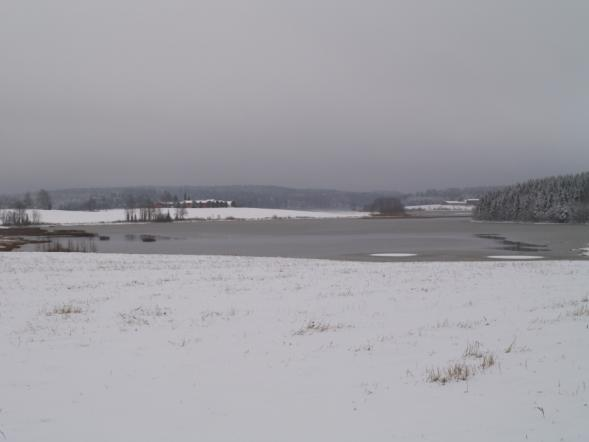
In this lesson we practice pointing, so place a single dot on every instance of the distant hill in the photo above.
(560, 199)
(272, 197)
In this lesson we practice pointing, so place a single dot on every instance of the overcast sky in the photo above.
(356, 95)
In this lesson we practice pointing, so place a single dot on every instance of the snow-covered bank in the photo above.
(441, 207)
(118, 215)
(143, 348)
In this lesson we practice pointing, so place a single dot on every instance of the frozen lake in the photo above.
(437, 239)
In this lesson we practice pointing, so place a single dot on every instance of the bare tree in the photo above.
(181, 213)
(130, 214)
(28, 201)
(35, 217)
(43, 200)
(19, 216)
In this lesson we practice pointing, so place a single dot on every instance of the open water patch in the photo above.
(513, 246)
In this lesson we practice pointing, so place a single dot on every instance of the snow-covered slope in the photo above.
(176, 348)
(441, 207)
(118, 215)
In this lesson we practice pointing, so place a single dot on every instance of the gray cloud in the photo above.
(324, 93)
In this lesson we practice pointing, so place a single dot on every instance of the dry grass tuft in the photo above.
(583, 310)
(138, 316)
(457, 371)
(316, 327)
(66, 309)
(488, 361)
(510, 348)
(461, 370)
(473, 350)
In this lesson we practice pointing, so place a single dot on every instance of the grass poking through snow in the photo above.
(457, 371)
(316, 327)
(583, 310)
(463, 370)
(66, 309)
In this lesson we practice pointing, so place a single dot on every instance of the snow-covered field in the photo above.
(118, 215)
(185, 348)
(441, 207)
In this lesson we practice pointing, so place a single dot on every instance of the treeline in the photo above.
(387, 206)
(24, 210)
(40, 200)
(153, 214)
(562, 199)
(273, 197)
(19, 217)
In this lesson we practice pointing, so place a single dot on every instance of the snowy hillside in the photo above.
(562, 199)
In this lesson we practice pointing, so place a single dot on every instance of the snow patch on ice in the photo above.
(517, 257)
